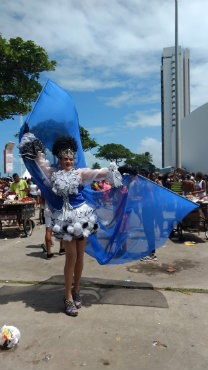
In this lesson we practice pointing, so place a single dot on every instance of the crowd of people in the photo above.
(195, 184)
(20, 188)
(184, 184)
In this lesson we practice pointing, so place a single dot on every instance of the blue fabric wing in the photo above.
(134, 220)
(53, 115)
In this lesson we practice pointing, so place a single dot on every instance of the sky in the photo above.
(108, 55)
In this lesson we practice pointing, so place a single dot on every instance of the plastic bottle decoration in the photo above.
(9, 336)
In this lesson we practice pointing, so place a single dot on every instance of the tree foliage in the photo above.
(88, 143)
(21, 63)
(141, 161)
(113, 152)
(96, 166)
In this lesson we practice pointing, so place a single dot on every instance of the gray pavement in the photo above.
(128, 319)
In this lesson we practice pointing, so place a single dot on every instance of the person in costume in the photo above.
(75, 220)
(54, 115)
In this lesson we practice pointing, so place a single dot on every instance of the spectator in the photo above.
(200, 185)
(18, 186)
(176, 185)
(48, 232)
(166, 181)
(33, 192)
(188, 186)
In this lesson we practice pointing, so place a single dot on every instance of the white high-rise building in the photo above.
(168, 99)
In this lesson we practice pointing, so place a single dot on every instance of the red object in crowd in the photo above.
(26, 199)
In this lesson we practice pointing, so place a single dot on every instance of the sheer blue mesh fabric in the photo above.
(53, 115)
(134, 219)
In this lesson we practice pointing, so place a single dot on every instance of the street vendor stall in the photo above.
(195, 221)
(20, 210)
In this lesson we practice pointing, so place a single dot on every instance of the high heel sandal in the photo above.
(77, 299)
(70, 308)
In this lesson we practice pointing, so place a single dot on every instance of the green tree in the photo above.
(96, 166)
(113, 152)
(141, 161)
(87, 142)
(21, 63)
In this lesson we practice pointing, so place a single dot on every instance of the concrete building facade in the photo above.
(168, 99)
(194, 147)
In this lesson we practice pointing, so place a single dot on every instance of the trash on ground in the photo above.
(190, 243)
(158, 343)
(9, 336)
(171, 269)
(48, 357)
(118, 339)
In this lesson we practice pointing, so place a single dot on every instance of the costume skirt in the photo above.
(75, 223)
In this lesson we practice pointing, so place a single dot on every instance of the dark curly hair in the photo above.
(62, 143)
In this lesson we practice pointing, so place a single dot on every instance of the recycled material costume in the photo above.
(138, 217)
(76, 219)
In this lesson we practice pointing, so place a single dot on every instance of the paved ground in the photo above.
(129, 319)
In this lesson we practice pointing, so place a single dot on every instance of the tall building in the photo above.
(194, 133)
(168, 99)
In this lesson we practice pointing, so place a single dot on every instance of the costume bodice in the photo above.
(66, 184)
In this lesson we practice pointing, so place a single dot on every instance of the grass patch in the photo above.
(106, 286)
(186, 290)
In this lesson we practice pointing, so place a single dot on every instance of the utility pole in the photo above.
(177, 91)
(21, 161)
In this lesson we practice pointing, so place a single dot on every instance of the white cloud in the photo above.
(152, 146)
(98, 130)
(91, 159)
(134, 96)
(93, 42)
(96, 45)
(143, 119)
(116, 101)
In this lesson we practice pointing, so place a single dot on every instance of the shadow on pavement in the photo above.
(189, 236)
(38, 251)
(48, 296)
(11, 232)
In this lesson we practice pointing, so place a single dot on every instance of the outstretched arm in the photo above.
(32, 148)
(110, 174)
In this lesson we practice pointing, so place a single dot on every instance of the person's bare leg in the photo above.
(48, 239)
(70, 261)
(61, 248)
(80, 244)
